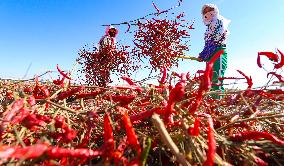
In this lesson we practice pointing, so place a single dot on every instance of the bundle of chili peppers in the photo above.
(97, 66)
(161, 41)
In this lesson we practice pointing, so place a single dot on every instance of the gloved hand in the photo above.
(199, 60)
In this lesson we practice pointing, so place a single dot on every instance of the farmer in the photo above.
(107, 46)
(215, 39)
(108, 40)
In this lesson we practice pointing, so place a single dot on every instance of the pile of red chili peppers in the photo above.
(61, 123)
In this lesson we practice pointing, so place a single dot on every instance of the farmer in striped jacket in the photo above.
(215, 39)
(107, 46)
(108, 40)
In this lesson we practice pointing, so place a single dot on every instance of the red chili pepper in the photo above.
(164, 76)
(87, 95)
(260, 162)
(31, 122)
(108, 135)
(176, 95)
(197, 102)
(59, 82)
(62, 73)
(280, 78)
(142, 115)
(211, 144)
(128, 80)
(255, 135)
(249, 79)
(131, 136)
(143, 104)
(276, 91)
(188, 76)
(9, 95)
(180, 15)
(28, 90)
(37, 150)
(67, 134)
(272, 56)
(117, 155)
(156, 7)
(122, 99)
(11, 113)
(174, 124)
(194, 131)
(57, 152)
(281, 63)
(29, 152)
(128, 28)
(40, 92)
(31, 100)
(137, 88)
(69, 93)
(23, 112)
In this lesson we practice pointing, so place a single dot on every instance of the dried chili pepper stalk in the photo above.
(255, 135)
(231, 78)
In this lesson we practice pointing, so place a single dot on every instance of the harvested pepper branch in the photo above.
(168, 140)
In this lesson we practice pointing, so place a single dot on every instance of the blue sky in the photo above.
(43, 33)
